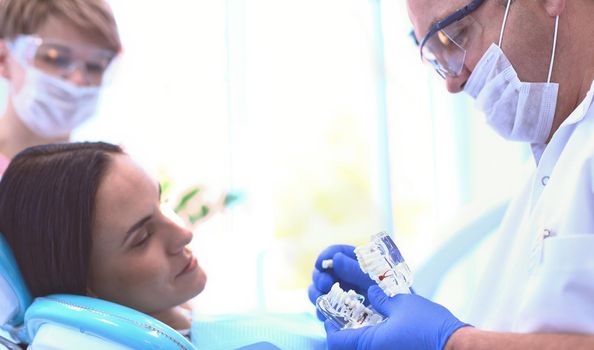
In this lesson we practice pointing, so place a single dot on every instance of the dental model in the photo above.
(382, 261)
(346, 309)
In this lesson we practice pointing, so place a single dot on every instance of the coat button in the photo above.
(546, 233)
(544, 180)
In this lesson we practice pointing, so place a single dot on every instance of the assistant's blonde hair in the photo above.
(27, 16)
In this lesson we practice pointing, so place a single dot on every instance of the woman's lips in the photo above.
(190, 266)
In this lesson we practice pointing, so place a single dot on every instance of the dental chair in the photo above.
(66, 322)
(469, 233)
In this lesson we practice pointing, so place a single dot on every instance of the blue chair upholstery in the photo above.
(104, 320)
(67, 322)
(429, 276)
(14, 296)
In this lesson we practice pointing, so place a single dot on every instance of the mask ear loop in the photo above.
(554, 38)
(553, 50)
(504, 21)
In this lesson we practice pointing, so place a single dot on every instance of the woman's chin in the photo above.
(199, 283)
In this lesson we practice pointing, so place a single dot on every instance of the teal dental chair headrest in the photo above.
(14, 296)
(99, 320)
(64, 321)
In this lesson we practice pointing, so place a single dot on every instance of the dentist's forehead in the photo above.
(424, 13)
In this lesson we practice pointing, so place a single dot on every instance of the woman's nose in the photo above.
(186, 235)
(179, 237)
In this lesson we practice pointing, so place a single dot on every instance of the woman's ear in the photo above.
(554, 7)
(90, 293)
(4, 71)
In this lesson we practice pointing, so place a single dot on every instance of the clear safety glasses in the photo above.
(444, 46)
(60, 58)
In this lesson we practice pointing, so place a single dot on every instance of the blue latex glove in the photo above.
(346, 271)
(413, 323)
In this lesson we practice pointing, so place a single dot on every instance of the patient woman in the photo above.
(84, 218)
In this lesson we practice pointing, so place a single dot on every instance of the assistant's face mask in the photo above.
(517, 110)
(52, 107)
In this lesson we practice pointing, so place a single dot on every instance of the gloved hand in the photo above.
(346, 271)
(413, 323)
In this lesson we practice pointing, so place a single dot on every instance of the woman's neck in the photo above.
(15, 136)
(177, 317)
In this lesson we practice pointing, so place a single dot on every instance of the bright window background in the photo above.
(285, 101)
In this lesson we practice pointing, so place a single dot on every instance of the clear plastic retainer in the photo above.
(382, 261)
(346, 309)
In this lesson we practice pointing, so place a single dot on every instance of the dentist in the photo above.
(529, 65)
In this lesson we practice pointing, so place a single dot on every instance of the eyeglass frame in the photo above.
(38, 41)
(440, 25)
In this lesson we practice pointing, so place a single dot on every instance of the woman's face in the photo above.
(139, 256)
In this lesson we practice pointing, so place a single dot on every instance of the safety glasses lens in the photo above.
(61, 59)
(446, 48)
(441, 51)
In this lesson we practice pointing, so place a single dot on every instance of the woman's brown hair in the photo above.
(47, 203)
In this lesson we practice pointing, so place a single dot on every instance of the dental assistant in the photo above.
(529, 65)
(54, 54)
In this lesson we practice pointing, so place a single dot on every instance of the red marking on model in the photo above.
(382, 276)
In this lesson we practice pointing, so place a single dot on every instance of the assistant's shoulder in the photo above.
(4, 161)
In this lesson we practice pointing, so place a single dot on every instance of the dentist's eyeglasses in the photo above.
(59, 58)
(444, 46)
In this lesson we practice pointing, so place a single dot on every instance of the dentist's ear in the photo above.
(4, 71)
(554, 7)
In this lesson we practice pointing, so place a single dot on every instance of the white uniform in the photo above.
(541, 275)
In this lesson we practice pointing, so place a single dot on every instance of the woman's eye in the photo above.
(142, 239)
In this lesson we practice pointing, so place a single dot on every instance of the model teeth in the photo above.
(327, 264)
(382, 261)
(346, 309)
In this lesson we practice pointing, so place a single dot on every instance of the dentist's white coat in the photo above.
(541, 275)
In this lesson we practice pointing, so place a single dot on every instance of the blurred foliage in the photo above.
(191, 203)
(326, 198)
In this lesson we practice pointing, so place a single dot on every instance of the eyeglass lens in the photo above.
(446, 48)
(60, 60)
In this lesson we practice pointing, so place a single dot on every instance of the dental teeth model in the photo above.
(327, 264)
(346, 309)
(382, 261)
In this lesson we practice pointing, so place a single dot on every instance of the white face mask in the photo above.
(51, 107)
(517, 110)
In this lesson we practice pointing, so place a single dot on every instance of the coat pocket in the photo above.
(560, 292)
